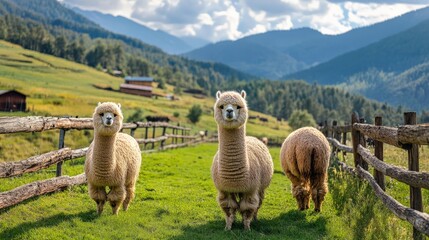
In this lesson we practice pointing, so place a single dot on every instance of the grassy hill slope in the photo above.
(57, 87)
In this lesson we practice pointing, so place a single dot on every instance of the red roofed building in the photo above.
(141, 86)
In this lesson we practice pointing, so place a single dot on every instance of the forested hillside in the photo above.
(393, 70)
(84, 42)
(280, 99)
(47, 26)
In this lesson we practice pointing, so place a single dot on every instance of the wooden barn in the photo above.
(11, 101)
(138, 86)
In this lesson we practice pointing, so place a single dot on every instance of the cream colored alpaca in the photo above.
(304, 158)
(113, 160)
(242, 168)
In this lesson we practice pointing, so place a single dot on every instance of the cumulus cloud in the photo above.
(217, 20)
(116, 7)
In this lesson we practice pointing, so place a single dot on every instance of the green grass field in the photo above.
(176, 198)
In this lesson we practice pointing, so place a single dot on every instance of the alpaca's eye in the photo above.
(101, 114)
(238, 107)
(221, 107)
(115, 115)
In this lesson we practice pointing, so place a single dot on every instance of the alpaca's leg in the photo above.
(116, 196)
(99, 195)
(319, 188)
(300, 191)
(261, 199)
(130, 189)
(248, 206)
(229, 205)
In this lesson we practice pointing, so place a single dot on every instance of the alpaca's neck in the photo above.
(232, 148)
(104, 153)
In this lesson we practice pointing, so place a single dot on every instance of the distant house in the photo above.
(138, 86)
(11, 100)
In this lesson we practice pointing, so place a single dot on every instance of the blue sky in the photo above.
(217, 20)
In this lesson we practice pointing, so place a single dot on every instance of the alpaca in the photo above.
(265, 140)
(113, 160)
(304, 158)
(242, 167)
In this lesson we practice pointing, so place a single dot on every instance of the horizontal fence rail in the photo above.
(39, 124)
(10, 125)
(38, 188)
(407, 137)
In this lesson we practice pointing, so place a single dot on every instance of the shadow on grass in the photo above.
(290, 225)
(15, 232)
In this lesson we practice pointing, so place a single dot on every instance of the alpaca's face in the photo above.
(107, 118)
(230, 109)
(230, 112)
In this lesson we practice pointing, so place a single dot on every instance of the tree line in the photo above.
(36, 25)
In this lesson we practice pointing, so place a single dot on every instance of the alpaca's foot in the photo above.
(115, 207)
(100, 206)
(125, 206)
(229, 221)
(247, 219)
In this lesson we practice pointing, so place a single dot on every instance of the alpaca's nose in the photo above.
(229, 110)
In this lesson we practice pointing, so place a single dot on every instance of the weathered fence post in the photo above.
(344, 142)
(60, 145)
(145, 135)
(416, 201)
(334, 135)
(356, 140)
(153, 136)
(132, 132)
(362, 141)
(378, 152)
(163, 134)
(183, 132)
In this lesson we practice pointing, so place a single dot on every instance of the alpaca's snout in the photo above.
(109, 122)
(230, 113)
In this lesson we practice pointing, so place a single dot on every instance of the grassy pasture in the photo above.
(176, 200)
(175, 194)
(57, 87)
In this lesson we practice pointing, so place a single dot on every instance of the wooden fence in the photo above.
(408, 137)
(178, 137)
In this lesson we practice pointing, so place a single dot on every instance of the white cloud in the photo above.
(115, 7)
(217, 20)
(361, 14)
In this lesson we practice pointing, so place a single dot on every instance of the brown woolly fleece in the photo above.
(304, 158)
(242, 168)
(113, 160)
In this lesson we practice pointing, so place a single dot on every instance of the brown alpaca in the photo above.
(242, 168)
(304, 158)
(113, 160)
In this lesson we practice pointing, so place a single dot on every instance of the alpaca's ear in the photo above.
(119, 105)
(99, 103)
(243, 94)
(218, 94)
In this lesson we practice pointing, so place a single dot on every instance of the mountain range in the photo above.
(275, 54)
(121, 25)
(394, 69)
(49, 27)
